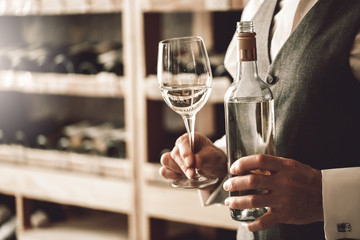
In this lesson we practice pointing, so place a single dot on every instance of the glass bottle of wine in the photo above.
(249, 114)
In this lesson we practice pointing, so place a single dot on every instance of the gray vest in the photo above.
(317, 98)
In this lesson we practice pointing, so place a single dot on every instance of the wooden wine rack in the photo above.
(131, 187)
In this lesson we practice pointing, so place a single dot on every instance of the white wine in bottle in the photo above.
(249, 114)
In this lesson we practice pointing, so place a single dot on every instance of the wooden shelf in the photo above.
(192, 5)
(59, 7)
(67, 161)
(163, 201)
(130, 186)
(99, 85)
(219, 87)
(71, 188)
(97, 226)
(152, 176)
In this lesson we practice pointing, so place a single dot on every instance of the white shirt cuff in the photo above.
(341, 203)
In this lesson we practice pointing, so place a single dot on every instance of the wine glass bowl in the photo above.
(184, 79)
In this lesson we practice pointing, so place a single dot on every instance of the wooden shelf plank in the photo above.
(165, 202)
(65, 187)
(192, 5)
(67, 161)
(100, 85)
(152, 176)
(59, 7)
(97, 226)
(184, 206)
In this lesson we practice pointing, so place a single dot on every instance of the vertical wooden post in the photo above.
(202, 26)
(23, 211)
(205, 122)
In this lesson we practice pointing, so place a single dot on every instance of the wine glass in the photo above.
(184, 78)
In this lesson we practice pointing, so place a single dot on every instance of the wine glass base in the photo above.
(197, 182)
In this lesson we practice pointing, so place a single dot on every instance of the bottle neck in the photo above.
(247, 70)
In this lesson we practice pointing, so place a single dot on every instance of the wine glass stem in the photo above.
(190, 127)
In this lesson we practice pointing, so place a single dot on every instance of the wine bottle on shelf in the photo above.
(94, 138)
(220, 71)
(30, 58)
(5, 213)
(8, 229)
(62, 64)
(115, 148)
(84, 58)
(39, 218)
(249, 114)
(38, 59)
(76, 58)
(20, 138)
(42, 142)
(64, 144)
(46, 213)
(3, 139)
(75, 133)
(88, 147)
(5, 61)
(57, 59)
(116, 144)
(112, 62)
(19, 143)
(87, 67)
(18, 59)
(44, 132)
(110, 57)
(217, 65)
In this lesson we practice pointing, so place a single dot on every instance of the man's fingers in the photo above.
(175, 162)
(250, 181)
(183, 156)
(178, 159)
(172, 169)
(258, 200)
(169, 174)
(260, 161)
(168, 162)
(264, 222)
(183, 148)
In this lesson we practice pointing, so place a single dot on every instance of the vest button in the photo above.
(270, 79)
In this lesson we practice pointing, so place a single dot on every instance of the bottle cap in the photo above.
(246, 41)
(245, 27)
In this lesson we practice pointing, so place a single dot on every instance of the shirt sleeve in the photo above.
(341, 203)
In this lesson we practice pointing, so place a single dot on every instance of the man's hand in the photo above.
(207, 158)
(294, 190)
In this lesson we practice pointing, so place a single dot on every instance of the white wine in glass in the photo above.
(184, 78)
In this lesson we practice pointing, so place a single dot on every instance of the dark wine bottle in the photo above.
(42, 142)
(3, 139)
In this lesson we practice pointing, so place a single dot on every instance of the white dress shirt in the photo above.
(341, 187)
(285, 21)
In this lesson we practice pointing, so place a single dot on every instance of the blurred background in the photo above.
(83, 124)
